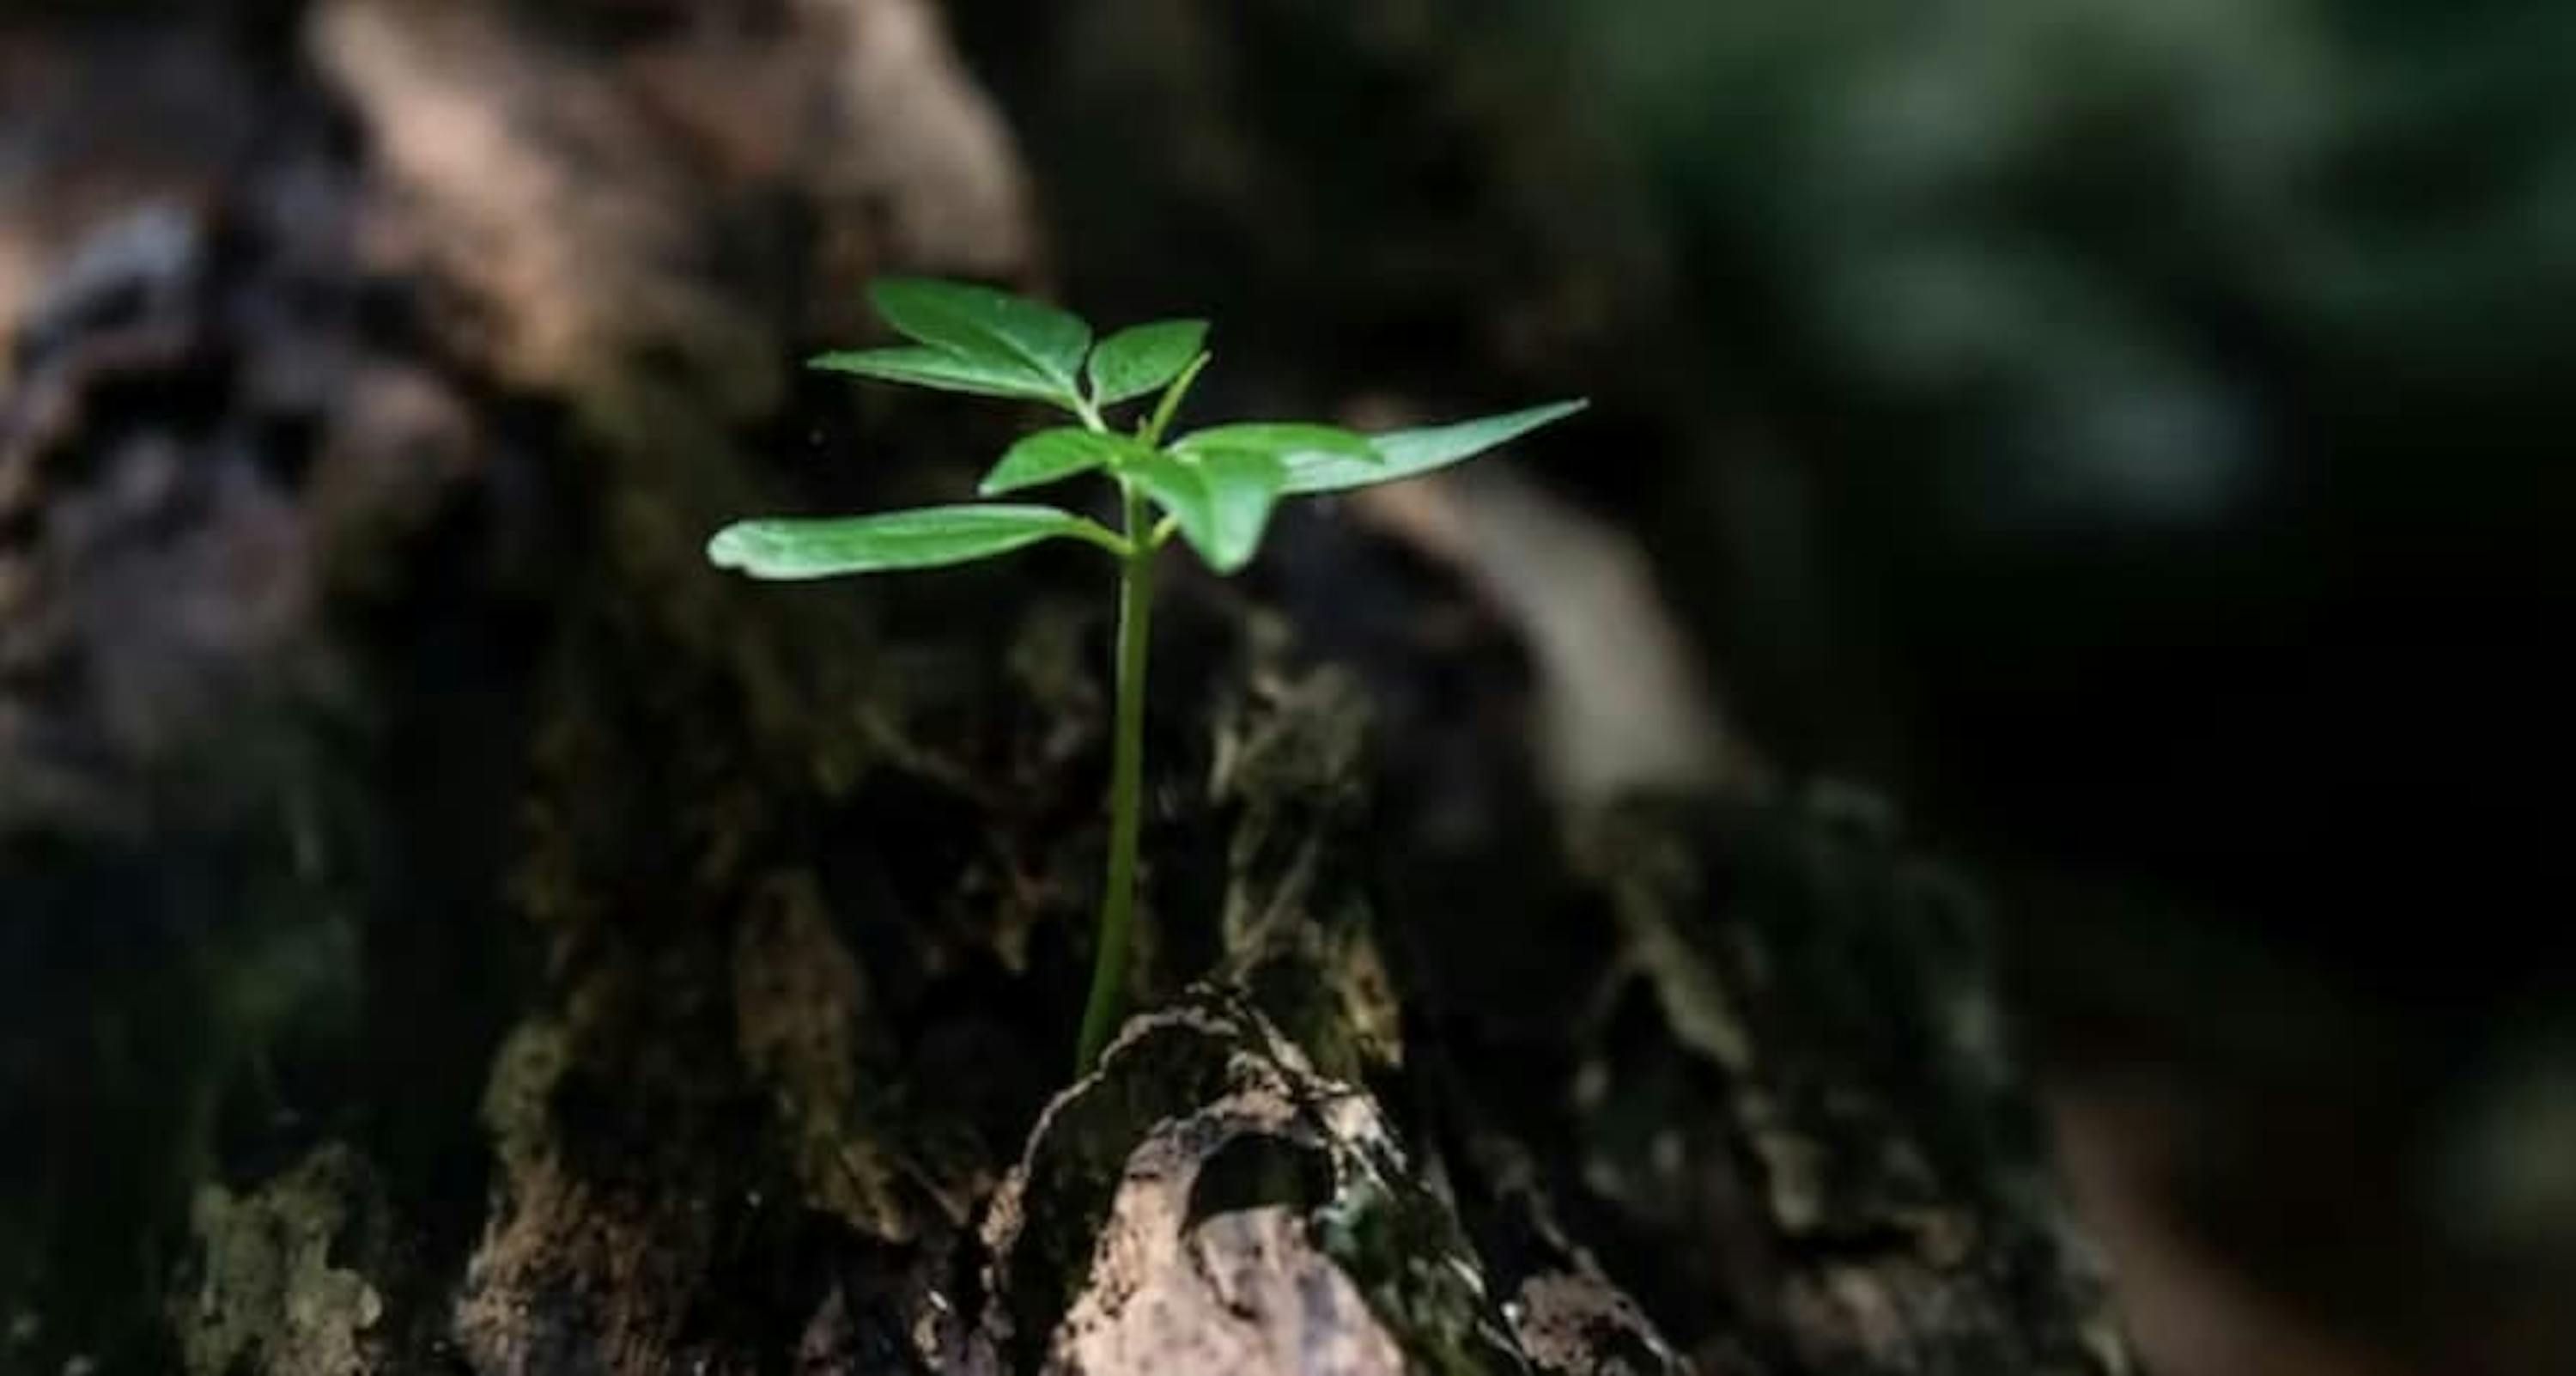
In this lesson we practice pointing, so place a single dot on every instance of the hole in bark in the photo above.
(1255, 1171)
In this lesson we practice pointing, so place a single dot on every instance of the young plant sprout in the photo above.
(1214, 487)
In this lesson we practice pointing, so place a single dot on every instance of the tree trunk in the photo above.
(450, 928)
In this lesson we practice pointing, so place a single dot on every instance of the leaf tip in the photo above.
(733, 546)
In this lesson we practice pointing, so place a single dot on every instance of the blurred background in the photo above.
(2063, 559)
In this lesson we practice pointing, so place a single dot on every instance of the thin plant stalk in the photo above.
(1102, 1011)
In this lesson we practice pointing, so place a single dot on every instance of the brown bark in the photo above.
(564, 959)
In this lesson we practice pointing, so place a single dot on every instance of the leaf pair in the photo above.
(990, 343)
(1218, 486)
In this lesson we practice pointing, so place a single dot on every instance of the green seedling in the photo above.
(1215, 488)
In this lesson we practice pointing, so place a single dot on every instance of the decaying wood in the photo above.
(587, 963)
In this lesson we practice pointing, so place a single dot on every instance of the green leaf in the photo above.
(1412, 453)
(1060, 453)
(1221, 497)
(1133, 362)
(989, 327)
(939, 369)
(1294, 445)
(927, 538)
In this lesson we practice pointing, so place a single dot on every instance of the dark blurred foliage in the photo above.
(2133, 428)
(2181, 387)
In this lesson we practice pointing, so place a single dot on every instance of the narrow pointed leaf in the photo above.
(986, 326)
(947, 372)
(1133, 362)
(1222, 498)
(1294, 445)
(931, 537)
(1413, 453)
(1060, 453)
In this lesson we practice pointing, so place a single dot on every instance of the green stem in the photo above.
(1102, 537)
(1101, 1013)
(1171, 403)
